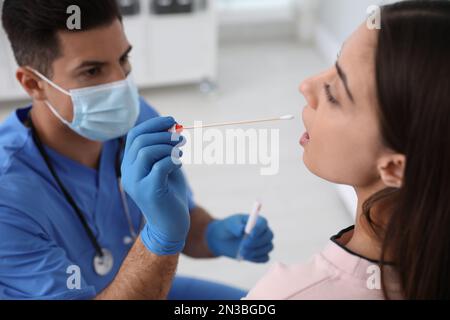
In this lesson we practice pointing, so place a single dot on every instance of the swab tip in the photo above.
(287, 117)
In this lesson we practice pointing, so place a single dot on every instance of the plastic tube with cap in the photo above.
(251, 222)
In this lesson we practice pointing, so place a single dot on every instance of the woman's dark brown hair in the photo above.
(413, 83)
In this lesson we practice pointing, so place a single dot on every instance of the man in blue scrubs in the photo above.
(67, 228)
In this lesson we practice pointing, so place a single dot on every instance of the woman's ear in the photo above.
(31, 83)
(391, 169)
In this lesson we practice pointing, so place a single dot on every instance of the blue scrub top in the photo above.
(41, 238)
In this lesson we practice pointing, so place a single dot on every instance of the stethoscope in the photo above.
(103, 261)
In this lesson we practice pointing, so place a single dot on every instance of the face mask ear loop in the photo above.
(53, 110)
(54, 85)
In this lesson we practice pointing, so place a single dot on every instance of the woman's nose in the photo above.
(307, 88)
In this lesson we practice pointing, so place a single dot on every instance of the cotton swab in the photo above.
(179, 128)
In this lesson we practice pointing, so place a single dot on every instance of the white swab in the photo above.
(180, 128)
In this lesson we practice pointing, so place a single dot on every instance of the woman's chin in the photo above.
(312, 167)
(308, 164)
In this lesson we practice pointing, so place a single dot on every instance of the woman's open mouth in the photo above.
(304, 139)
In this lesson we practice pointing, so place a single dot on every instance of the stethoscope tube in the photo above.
(100, 253)
(66, 194)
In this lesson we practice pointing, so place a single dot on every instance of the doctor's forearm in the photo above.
(196, 245)
(143, 276)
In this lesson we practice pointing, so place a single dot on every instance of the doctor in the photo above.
(86, 212)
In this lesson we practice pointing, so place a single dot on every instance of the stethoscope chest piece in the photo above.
(103, 265)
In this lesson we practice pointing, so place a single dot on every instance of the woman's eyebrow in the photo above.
(343, 77)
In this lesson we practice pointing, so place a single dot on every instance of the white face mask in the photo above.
(103, 112)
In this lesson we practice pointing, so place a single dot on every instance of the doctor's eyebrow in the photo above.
(93, 63)
(86, 64)
(343, 77)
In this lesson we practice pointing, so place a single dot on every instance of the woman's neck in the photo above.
(363, 241)
(62, 139)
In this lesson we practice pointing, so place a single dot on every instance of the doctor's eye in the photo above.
(92, 72)
(125, 60)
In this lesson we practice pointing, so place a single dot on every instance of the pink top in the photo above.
(334, 273)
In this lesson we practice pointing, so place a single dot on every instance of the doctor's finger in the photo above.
(261, 259)
(161, 171)
(255, 242)
(150, 139)
(255, 253)
(159, 124)
(148, 156)
(261, 226)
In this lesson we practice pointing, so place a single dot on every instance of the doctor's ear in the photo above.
(31, 83)
(391, 169)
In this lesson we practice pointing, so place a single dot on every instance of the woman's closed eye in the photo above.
(328, 94)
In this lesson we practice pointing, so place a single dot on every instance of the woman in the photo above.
(379, 120)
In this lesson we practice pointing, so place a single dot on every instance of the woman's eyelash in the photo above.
(329, 95)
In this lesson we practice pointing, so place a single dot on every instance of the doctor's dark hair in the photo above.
(32, 26)
(413, 83)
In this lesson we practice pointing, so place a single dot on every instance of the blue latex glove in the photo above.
(155, 183)
(224, 238)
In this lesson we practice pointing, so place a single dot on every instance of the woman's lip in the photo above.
(304, 139)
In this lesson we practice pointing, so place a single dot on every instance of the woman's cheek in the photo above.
(322, 155)
(338, 157)
(326, 158)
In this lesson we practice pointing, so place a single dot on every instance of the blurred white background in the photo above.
(232, 60)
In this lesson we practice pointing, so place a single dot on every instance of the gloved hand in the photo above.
(224, 238)
(152, 178)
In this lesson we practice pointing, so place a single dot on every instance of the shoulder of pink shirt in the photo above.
(333, 273)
